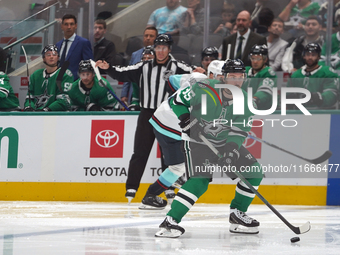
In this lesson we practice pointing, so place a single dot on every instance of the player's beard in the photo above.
(312, 65)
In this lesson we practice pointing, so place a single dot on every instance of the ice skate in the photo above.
(242, 223)
(130, 194)
(169, 228)
(170, 195)
(152, 202)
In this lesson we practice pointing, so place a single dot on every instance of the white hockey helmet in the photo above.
(215, 67)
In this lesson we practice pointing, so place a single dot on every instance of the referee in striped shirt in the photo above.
(152, 76)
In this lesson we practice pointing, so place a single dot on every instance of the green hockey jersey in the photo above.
(219, 116)
(44, 92)
(322, 79)
(81, 98)
(335, 52)
(8, 101)
(262, 83)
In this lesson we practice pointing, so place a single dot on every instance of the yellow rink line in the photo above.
(114, 192)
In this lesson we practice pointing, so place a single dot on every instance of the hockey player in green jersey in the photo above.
(43, 93)
(8, 101)
(187, 105)
(87, 95)
(321, 81)
(260, 77)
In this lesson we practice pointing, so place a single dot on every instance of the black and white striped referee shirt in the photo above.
(151, 77)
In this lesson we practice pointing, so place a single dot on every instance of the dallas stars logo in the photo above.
(214, 130)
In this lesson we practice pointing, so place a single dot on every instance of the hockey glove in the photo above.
(316, 98)
(93, 107)
(134, 107)
(28, 109)
(191, 127)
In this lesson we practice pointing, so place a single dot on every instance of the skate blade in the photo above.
(129, 200)
(239, 229)
(172, 233)
(149, 207)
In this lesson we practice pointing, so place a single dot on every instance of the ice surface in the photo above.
(115, 228)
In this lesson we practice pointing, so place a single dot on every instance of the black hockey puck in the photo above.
(295, 239)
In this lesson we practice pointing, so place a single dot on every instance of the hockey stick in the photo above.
(326, 155)
(102, 83)
(61, 75)
(315, 161)
(28, 74)
(297, 230)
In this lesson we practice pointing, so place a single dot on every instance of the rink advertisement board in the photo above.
(51, 150)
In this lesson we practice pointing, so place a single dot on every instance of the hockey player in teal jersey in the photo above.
(87, 95)
(8, 101)
(187, 106)
(43, 93)
(260, 77)
(321, 81)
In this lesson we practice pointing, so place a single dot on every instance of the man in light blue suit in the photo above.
(150, 34)
(73, 48)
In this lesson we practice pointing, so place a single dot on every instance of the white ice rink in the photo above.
(36, 228)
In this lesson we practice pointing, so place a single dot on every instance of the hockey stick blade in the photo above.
(315, 161)
(61, 74)
(297, 230)
(102, 83)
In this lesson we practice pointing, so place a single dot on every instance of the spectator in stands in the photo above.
(103, 48)
(273, 5)
(8, 101)
(296, 13)
(87, 95)
(322, 82)
(44, 94)
(276, 45)
(323, 14)
(227, 19)
(167, 18)
(242, 42)
(260, 77)
(335, 50)
(208, 54)
(265, 19)
(150, 34)
(292, 58)
(192, 21)
(73, 48)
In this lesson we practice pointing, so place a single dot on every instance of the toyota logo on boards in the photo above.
(107, 139)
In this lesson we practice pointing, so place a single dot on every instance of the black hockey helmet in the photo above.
(210, 51)
(163, 39)
(49, 47)
(233, 66)
(259, 50)
(148, 50)
(312, 47)
(85, 66)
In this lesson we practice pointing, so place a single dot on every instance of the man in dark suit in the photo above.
(73, 47)
(242, 41)
(103, 48)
